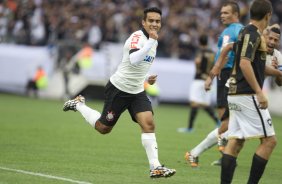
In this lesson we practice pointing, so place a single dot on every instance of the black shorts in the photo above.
(222, 90)
(117, 101)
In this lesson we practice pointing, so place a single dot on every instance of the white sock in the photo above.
(90, 115)
(150, 144)
(207, 143)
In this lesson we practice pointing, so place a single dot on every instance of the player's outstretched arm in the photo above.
(269, 70)
(221, 61)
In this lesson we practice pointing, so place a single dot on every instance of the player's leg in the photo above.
(261, 123)
(208, 142)
(211, 112)
(113, 107)
(195, 97)
(142, 113)
(222, 130)
(261, 158)
(221, 140)
(229, 159)
(193, 114)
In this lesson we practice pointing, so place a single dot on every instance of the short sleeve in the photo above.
(251, 41)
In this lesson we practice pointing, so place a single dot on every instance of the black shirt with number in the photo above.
(251, 46)
(206, 61)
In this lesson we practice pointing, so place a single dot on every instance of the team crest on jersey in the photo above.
(269, 122)
(110, 116)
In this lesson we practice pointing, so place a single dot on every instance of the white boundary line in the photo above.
(44, 175)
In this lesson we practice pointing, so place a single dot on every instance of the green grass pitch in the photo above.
(37, 136)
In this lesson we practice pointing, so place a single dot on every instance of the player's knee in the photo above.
(149, 126)
(239, 145)
(272, 142)
(103, 129)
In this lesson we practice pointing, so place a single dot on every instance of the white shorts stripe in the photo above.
(262, 123)
(247, 120)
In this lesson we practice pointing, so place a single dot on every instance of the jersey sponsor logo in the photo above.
(225, 40)
(149, 59)
(134, 41)
(110, 116)
(234, 107)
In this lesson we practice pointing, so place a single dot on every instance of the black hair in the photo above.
(259, 9)
(203, 40)
(234, 5)
(151, 9)
(275, 30)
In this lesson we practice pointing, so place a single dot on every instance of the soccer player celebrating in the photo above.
(125, 91)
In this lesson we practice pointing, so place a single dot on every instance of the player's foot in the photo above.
(162, 171)
(221, 143)
(71, 104)
(193, 161)
(216, 162)
(185, 130)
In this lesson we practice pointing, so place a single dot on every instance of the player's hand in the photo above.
(274, 62)
(152, 79)
(153, 34)
(208, 83)
(263, 103)
(215, 71)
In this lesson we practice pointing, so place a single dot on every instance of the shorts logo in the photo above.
(110, 116)
(269, 122)
(234, 107)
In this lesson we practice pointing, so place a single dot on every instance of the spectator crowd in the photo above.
(74, 22)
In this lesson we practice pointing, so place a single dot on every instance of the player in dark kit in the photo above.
(199, 98)
(249, 117)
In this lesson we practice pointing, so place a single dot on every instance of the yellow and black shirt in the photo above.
(251, 46)
(206, 62)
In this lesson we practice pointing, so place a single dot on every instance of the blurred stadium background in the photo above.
(50, 33)
(37, 136)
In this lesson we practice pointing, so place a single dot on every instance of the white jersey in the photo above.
(276, 54)
(130, 76)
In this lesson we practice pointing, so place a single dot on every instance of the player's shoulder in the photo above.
(138, 33)
(235, 27)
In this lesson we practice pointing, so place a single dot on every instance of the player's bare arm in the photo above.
(208, 83)
(269, 70)
(221, 61)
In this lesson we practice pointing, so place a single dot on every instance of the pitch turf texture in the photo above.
(37, 136)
